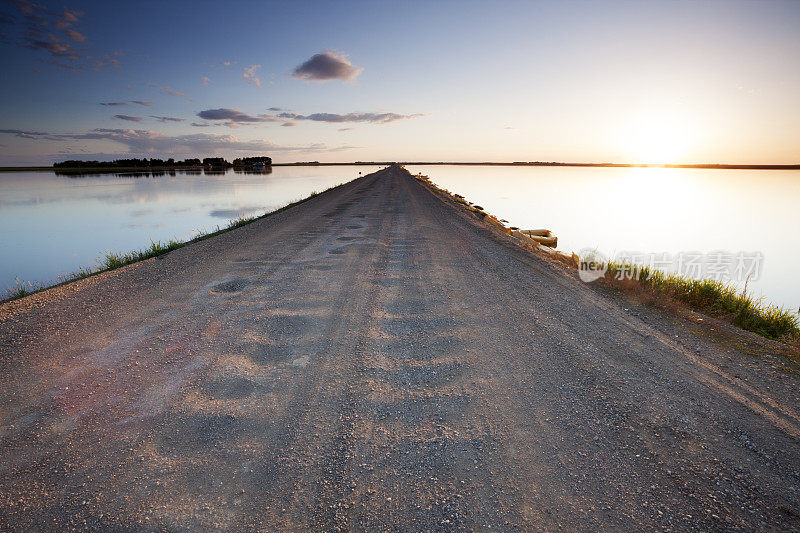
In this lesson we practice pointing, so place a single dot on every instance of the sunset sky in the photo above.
(460, 81)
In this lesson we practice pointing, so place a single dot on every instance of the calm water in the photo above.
(51, 225)
(652, 211)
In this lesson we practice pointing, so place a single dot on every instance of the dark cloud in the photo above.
(52, 45)
(346, 129)
(128, 117)
(327, 66)
(25, 134)
(36, 27)
(152, 143)
(200, 125)
(147, 141)
(374, 118)
(117, 104)
(289, 124)
(233, 116)
(166, 119)
(274, 109)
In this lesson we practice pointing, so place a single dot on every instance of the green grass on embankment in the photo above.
(714, 298)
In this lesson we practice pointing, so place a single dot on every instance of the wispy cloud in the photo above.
(36, 27)
(166, 119)
(128, 118)
(76, 36)
(250, 75)
(374, 118)
(25, 134)
(126, 102)
(327, 66)
(152, 142)
(166, 89)
(205, 80)
(289, 124)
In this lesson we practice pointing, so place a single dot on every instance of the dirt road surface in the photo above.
(376, 359)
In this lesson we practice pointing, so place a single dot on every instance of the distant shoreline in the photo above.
(717, 166)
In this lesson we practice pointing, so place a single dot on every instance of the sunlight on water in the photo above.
(649, 210)
(51, 225)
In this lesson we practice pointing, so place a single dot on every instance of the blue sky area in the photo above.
(344, 81)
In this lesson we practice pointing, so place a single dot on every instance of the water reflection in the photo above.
(649, 210)
(52, 223)
(262, 170)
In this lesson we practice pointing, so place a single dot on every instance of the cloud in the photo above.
(127, 117)
(53, 45)
(226, 63)
(76, 36)
(166, 119)
(327, 66)
(233, 116)
(152, 143)
(36, 27)
(25, 134)
(169, 90)
(70, 16)
(374, 118)
(289, 124)
(117, 104)
(250, 75)
(346, 129)
(274, 109)
(147, 141)
(200, 124)
(205, 80)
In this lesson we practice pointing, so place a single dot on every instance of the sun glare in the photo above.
(658, 140)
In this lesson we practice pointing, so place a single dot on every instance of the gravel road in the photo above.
(376, 359)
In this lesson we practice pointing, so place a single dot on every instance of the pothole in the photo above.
(229, 287)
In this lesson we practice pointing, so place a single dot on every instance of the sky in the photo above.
(628, 82)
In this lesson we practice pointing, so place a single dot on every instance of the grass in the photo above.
(115, 260)
(713, 298)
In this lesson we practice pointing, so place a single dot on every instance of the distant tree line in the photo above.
(144, 163)
(250, 161)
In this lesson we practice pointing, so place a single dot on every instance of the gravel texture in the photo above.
(378, 359)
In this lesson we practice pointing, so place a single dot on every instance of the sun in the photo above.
(658, 139)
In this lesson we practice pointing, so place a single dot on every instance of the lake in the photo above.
(51, 225)
(676, 216)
